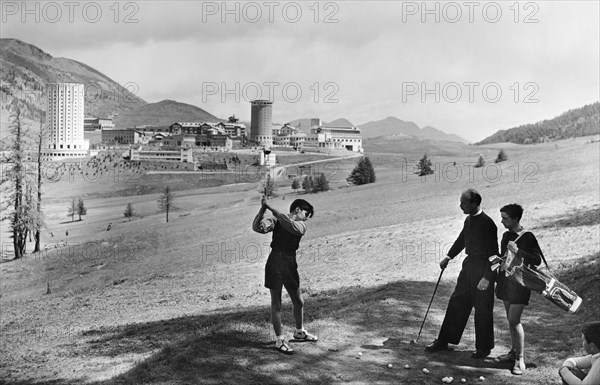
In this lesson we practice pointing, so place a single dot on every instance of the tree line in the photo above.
(582, 121)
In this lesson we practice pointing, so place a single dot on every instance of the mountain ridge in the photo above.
(163, 113)
(582, 121)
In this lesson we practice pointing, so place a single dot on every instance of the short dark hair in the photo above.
(303, 205)
(513, 210)
(473, 196)
(591, 332)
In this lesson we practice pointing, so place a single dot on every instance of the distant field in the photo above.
(183, 301)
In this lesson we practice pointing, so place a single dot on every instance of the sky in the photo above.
(469, 68)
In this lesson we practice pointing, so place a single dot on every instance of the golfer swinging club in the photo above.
(475, 284)
(281, 269)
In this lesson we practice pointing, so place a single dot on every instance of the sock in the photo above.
(279, 338)
(299, 330)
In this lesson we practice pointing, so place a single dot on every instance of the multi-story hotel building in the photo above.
(93, 124)
(332, 137)
(64, 114)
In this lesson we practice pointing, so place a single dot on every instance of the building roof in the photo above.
(189, 124)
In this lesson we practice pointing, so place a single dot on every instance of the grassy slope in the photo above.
(184, 302)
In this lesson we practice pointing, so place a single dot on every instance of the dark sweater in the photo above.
(479, 239)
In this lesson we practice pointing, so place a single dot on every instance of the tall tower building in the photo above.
(65, 116)
(261, 122)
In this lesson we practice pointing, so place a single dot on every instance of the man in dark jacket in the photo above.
(475, 284)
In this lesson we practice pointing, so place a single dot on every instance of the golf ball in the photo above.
(406, 366)
(450, 379)
(445, 380)
(390, 366)
(481, 378)
(360, 353)
(425, 371)
(463, 380)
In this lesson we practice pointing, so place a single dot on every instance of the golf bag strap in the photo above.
(541, 253)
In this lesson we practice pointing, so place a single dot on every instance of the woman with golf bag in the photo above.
(524, 245)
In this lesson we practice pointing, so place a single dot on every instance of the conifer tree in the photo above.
(424, 166)
(165, 202)
(307, 183)
(321, 184)
(501, 157)
(295, 184)
(128, 211)
(363, 173)
(480, 162)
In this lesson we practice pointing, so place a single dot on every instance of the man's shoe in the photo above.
(436, 346)
(480, 353)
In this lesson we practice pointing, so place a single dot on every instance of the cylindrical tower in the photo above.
(65, 117)
(261, 122)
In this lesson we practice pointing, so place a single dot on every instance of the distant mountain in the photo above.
(341, 122)
(394, 126)
(582, 121)
(305, 124)
(25, 70)
(163, 113)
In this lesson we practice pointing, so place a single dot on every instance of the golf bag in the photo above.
(540, 281)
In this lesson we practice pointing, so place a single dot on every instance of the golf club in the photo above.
(428, 307)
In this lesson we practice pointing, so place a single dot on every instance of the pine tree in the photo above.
(295, 184)
(165, 202)
(307, 183)
(480, 162)
(321, 184)
(81, 210)
(501, 157)
(128, 211)
(424, 166)
(363, 173)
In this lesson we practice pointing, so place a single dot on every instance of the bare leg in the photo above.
(516, 328)
(276, 310)
(298, 303)
(510, 329)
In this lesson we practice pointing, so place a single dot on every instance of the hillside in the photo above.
(582, 121)
(414, 147)
(183, 302)
(25, 70)
(163, 113)
(395, 126)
